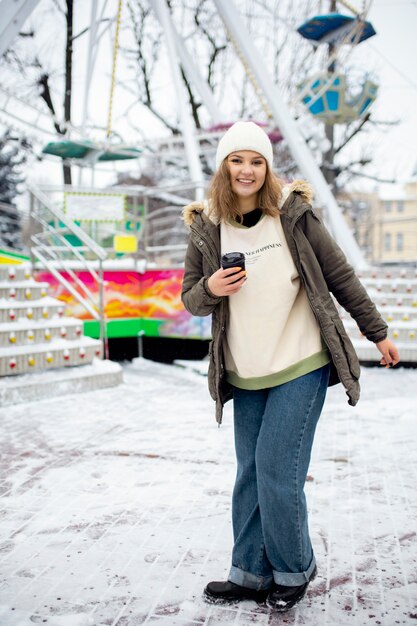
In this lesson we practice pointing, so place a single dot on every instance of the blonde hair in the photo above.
(223, 201)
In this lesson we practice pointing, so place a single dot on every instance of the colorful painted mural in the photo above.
(134, 302)
(150, 301)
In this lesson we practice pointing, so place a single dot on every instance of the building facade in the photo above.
(385, 223)
(394, 226)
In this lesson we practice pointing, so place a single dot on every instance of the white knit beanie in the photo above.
(244, 136)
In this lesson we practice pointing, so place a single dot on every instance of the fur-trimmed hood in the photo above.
(301, 187)
(191, 210)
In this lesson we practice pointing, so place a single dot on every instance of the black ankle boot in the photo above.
(282, 598)
(225, 592)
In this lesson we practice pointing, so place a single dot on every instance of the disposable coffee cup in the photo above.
(233, 259)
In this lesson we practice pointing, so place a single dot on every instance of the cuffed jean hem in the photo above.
(251, 581)
(294, 579)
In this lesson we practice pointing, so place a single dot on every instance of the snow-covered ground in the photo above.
(115, 506)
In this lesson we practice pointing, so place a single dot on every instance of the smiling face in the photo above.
(247, 171)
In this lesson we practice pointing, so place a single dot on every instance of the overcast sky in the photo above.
(393, 53)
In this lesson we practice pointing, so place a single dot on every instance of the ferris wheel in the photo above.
(84, 150)
(328, 94)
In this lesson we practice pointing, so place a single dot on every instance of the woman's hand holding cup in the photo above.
(226, 282)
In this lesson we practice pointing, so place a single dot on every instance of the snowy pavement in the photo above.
(115, 506)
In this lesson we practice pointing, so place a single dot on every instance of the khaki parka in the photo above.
(323, 270)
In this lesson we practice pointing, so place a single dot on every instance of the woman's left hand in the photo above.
(389, 351)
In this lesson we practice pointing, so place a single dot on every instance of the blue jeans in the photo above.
(274, 432)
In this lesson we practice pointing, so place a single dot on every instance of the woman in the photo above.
(278, 343)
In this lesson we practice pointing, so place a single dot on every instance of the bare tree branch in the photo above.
(355, 132)
(145, 60)
(194, 104)
(45, 94)
(87, 28)
(369, 176)
(216, 48)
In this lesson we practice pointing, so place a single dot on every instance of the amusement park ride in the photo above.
(326, 94)
(132, 287)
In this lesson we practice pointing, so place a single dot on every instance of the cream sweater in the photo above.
(273, 336)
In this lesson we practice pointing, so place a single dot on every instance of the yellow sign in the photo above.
(125, 243)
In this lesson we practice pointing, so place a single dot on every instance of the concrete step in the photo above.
(391, 314)
(17, 272)
(58, 353)
(387, 285)
(405, 332)
(393, 299)
(30, 332)
(60, 382)
(366, 351)
(45, 308)
(391, 273)
(23, 290)
(43, 353)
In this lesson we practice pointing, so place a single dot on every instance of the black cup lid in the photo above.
(234, 257)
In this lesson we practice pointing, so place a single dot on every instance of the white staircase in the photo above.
(394, 292)
(36, 337)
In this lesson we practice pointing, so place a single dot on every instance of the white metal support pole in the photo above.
(13, 13)
(90, 60)
(289, 130)
(89, 72)
(188, 129)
